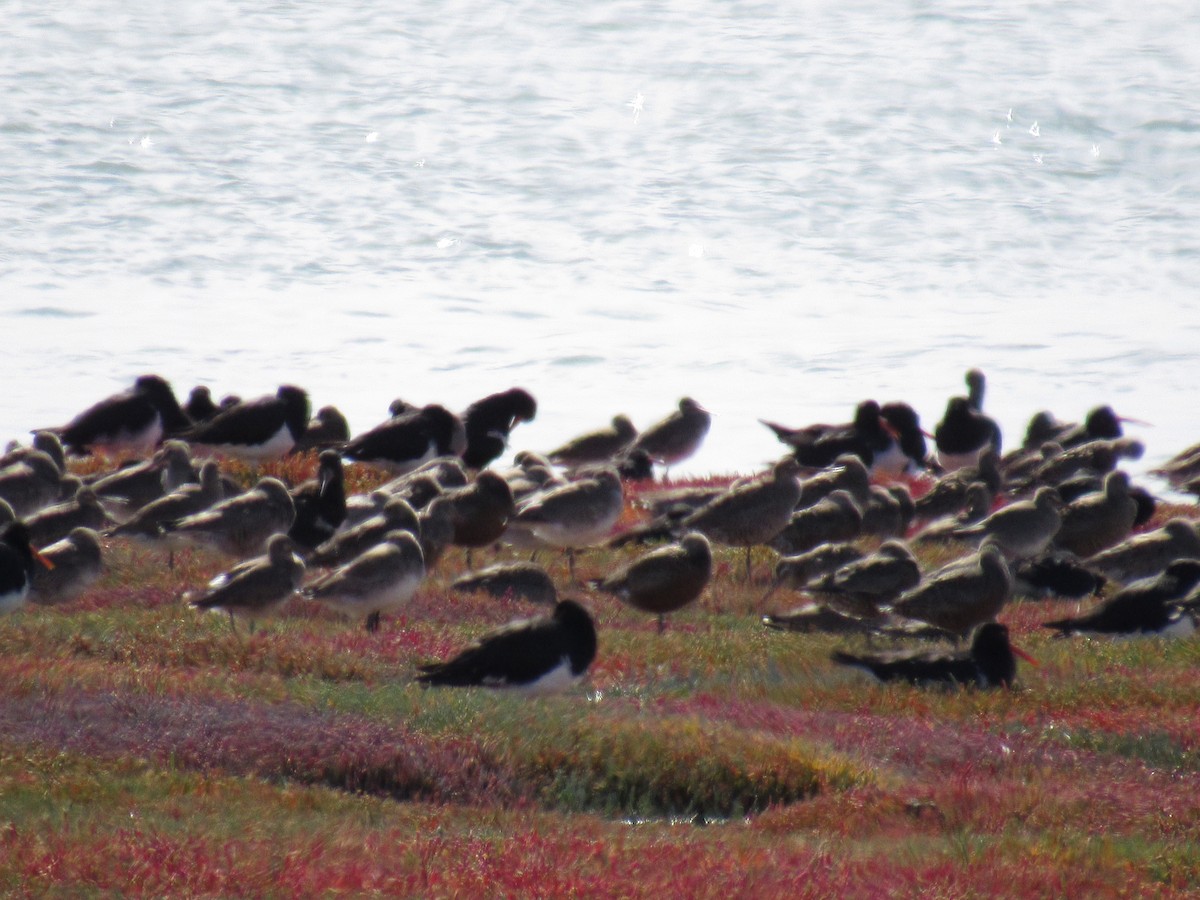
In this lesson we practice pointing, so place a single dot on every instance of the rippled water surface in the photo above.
(779, 209)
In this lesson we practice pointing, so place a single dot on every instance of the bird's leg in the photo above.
(747, 565)
(662, 625)
(469, 559)
(373, 622)
(571, 564)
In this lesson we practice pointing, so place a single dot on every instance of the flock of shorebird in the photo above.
(1055, 516)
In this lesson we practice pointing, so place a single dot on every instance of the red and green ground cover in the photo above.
(147, 750)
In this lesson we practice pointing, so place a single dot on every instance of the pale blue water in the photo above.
(779, 209)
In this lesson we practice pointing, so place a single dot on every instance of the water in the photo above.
(779, 209)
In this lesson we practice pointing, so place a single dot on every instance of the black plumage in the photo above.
(990, 662)
(410, 439)
(490, 421)
(1148, 606)
(320, 503)
(134, 420)
(265, 428)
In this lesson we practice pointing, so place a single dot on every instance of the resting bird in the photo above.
(989, 663)
(1151, 606)
(678, 436)
(489, 422)
(255, 430)
(535, 655)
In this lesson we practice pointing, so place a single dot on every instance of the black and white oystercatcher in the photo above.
(963, 435)
(490, 421)
(1148, 607)
(17, 562)
(132, 422)
(255, 430)
(408, 441)
(534, 655)
(75, 562)
(989, 663)
(320, 503)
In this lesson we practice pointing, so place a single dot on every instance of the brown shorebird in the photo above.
(479, 511)
(30, 484)
(888, 512)
(1099, 456)
(577, 515)
(130, 488)
(435, 531)
(75, 562)
(752, 513)
(1148, 554)
(848, 473)
(52, 523)
(396, 515)
(877, 579)
(598, 446)
(256, 587)
(962, 595)
(989, 663)
(43, 441)
(533, 655)
(516, 581)
(1098, 520)
(663, 580)
(796, 572)
(678, 436)
(976, 506)
(1183, 466)
(1021, 529)
(185, 501)
(836, 518)
(328, 428)
(948, 495)
(383, 579)
(816, 618)
(241, 525)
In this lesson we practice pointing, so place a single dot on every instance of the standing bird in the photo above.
(962, 595)
(256, 587)
(320, 503)
(577, 515)
(963, 435)
(132, 422)
(18, 560)
(1098, 520)
(600, 446)
(187, 500)
(383, 579)
(534, 655)
(1151, 606)
(409, 440)
(255, 430)
(750, 514)
(489, 422)
(663, 580)
(910, 440)
(677, 437)
(74, 563)
(241, 525)
(989, 663)
(479, 511)
(1022, 529)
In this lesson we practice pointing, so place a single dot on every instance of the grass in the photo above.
(148, 750)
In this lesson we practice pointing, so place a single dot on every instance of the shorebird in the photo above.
(46, 442)
(535, 655)
(888, 512)
(577, 515)
(131, 422)
(976, 506)
(328, 428)
(1147, 554)
(320, 503)
(396, 515)
(255, 430)
(130, 488)
(489, 422)
(1022, 529)
(1152, 606)
(18, 560)
(199, 406)
(74, 563)
(1099, 520)
(909, 439)
(752, 513)
(517, 581)
(479, 511)
(948, 495)
(598, 446)
(876, 579)
(256, 587)
(847, 473)
(1057, 574)
(817, 446)
(52, 523)
(836, 518)
(383, 579)
(796, 572)
(677, 437)
(30, 484)
(989, 663)
(1096, 457)
(405, 442)
(963, 435)
(816, 618)
(962, 595)
(663, 580)
(242, 525)
(187, 500)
